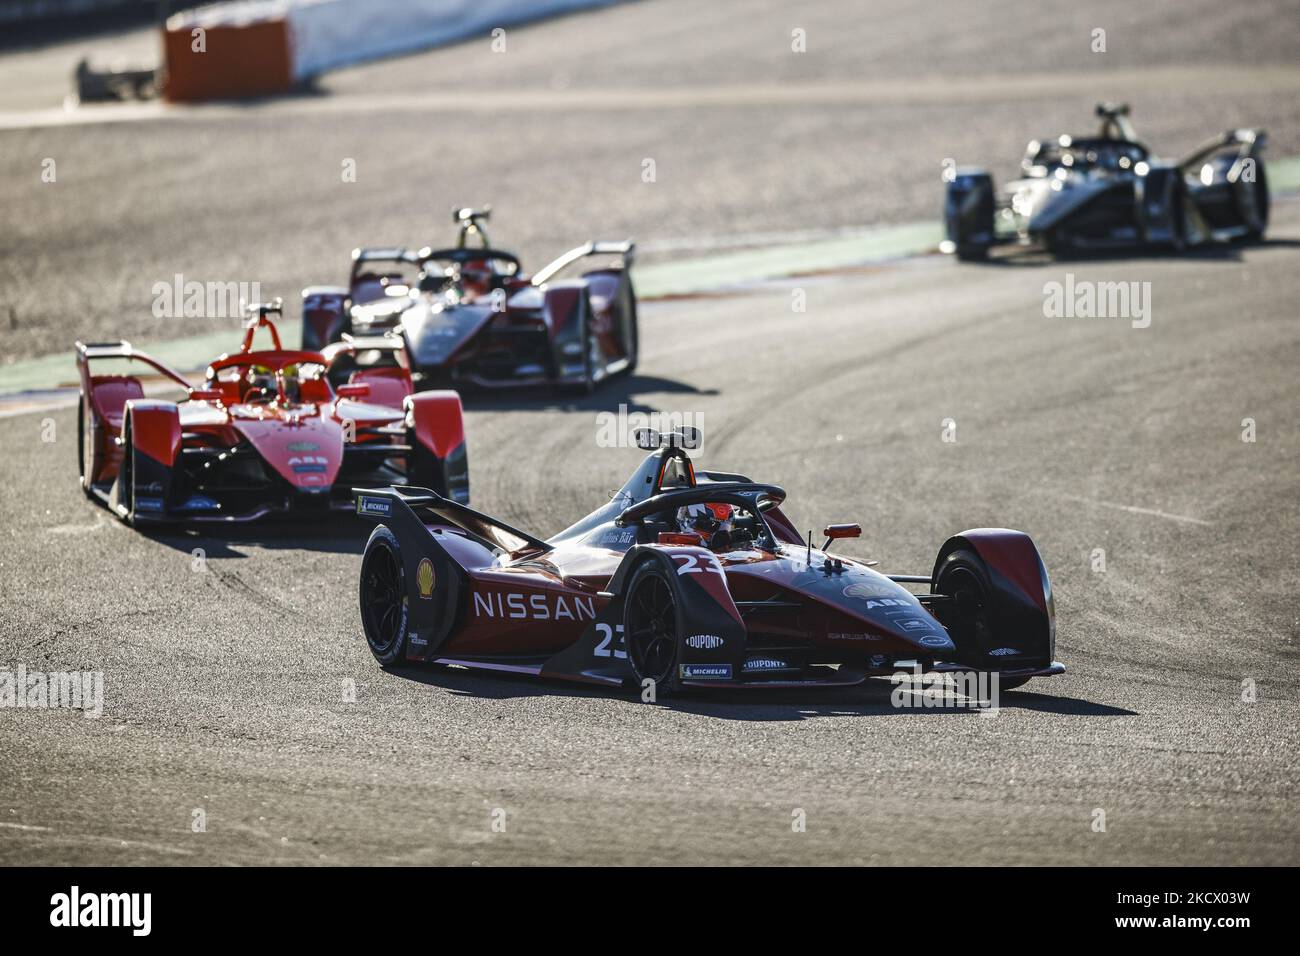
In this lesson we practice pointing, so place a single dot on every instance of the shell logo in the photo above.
(867, 590)
(424, 578)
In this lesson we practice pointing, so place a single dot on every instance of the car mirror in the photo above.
(835, 531)
(205, 395)
(353, 390)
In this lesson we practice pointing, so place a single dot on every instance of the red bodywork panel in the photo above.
(542, 606)
(306, 449)
(155, 430)
(1013, 554)
(388, 386)
(110, 393)
(437, 420)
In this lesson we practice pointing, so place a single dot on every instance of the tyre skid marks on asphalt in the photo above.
(233, 582)
(50, 836)
(64, 635)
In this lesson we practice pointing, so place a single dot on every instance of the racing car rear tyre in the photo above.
(652, 624)
(383, 597)
(85, 449)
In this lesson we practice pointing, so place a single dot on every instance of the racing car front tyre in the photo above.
(968, 253)
(591, 358)
(1260, 197)
(631, 334)
(383, 597)
(964, 579)
(1058, 244)
(653, 628)
(126, 475)
(1178, 226)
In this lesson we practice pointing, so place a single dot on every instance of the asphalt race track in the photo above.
(225, 677)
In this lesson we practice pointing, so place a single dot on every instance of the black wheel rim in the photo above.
(967, 617)
(652, 629)
(381, 602)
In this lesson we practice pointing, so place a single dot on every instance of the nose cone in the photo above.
(886, 609)
(434, 333)
(891, 608)
(305, 451)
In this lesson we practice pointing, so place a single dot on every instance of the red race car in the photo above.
(690, 578)
(266, 432)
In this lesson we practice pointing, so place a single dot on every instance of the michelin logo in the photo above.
(706, 672)
(380, 507)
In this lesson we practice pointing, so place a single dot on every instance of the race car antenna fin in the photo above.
(809, 560)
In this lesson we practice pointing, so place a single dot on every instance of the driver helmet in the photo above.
(705, 519)
(291, 375)
(476, 277)
(260, 381)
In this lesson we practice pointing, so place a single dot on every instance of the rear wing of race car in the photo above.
(1248, 143)
(386, 350)
(625, 250)
(365, 254)
(393, 255)
(387, 341)
(400, 505)
(87, 352)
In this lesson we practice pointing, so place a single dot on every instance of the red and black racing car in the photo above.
(266, 432)
(690, 578)
(469, 316)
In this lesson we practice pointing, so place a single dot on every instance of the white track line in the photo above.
(1134, 509)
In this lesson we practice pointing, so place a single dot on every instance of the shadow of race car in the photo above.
(468, 314)
(1109, 192)
(266, 432)
(690, 579)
